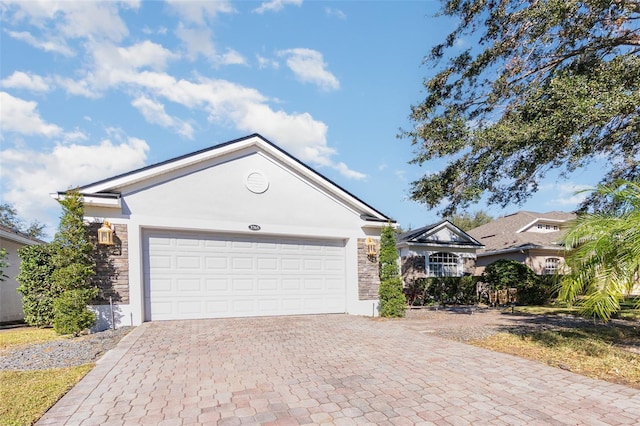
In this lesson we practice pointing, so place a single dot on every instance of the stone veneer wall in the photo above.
(368, 274)
(112, 265)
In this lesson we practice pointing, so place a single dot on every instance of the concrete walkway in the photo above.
(327, 369)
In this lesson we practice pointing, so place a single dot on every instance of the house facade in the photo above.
(438, 250)
(10, 300)
(527, 237)
(239, 229)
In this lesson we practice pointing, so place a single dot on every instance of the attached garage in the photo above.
(238, 229)
(190, 275)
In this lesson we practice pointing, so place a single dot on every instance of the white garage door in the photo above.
(190, 276)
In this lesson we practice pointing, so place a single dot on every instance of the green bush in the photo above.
(532, 289)
(71, 315)
(392, 299)
(445, 290)
(36, 286)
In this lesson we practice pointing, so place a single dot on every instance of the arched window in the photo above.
(443, 264)
(551, 265)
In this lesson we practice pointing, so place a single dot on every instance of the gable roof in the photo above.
(507, 233)
(16, 236)
(421, 235)
(106, 192)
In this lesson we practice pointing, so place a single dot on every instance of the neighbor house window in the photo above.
(551, 265)
(443, 265)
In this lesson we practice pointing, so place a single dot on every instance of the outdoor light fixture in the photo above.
(105, 234)
(372, 249)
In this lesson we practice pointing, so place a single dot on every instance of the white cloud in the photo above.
(25, 80)
(146, 54)
(346, 172)
(231, 57)
(30, 176)
(267, 63)
(114, 65)
(150, 31)
(197, 41)
(77, 87)
(22, 117)
(567, 194)
(155, 113)
(309, 67)
(53, 44)
(71, 19)
(337, 13)
(198, 12)
(275, 5)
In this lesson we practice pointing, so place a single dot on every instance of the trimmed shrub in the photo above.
(392, 299)
(444, 290)
(36, 286)
(71, 315)
(532, 289)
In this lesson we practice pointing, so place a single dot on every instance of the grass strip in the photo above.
(26, 395)
(26, 336)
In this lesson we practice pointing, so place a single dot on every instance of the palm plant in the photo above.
(604, 252)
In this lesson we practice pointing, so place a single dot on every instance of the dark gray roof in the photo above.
(419, 235)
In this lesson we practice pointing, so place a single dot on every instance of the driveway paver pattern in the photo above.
(327, 369)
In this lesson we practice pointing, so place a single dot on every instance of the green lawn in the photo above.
(26, 395)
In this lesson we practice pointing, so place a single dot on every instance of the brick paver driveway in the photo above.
(333, 369)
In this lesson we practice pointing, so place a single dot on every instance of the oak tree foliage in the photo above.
(543, 85)
(467, 221)
(9, 217)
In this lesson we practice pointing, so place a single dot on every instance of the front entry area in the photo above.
(192, 275)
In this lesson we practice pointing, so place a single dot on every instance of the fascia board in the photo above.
(536, 220)
(452, 228)
(148, 173)
(435, 245)
(329, 187)
(17, 238)
(518, 249)
(96, 200)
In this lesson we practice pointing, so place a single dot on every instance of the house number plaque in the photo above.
(254, 227)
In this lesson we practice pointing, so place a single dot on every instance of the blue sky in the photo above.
(89, 90)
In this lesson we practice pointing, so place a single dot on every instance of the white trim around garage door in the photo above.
(191, 275)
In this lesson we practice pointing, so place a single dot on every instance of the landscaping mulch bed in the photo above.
(64, 352)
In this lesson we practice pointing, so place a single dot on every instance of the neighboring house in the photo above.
(238, 229)
(527, 237)
(438, 250)
(10, 300)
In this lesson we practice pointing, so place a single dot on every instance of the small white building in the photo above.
(239, 229)
(10, 300)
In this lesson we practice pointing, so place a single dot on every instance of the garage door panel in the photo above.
(217, 284)
(216, 262)
(209, 276)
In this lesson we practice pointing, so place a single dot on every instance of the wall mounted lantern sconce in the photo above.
(105, 234)
(372, 249)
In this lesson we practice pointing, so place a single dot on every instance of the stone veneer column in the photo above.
(368, 273)
(112, 265)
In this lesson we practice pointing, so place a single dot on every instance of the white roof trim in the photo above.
(333, 190)
(102, 200)
(12, 236)
(539, 219)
